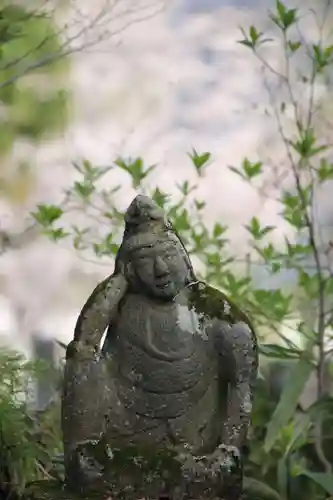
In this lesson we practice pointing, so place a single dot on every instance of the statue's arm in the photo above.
(99, 310)
(238, 366)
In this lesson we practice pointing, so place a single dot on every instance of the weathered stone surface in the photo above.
(163, 408)
(56, 490)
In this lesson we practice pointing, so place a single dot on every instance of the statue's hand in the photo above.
(79, 349)
(89, 466)
(218, 472)
(225, 464)
(225, 458)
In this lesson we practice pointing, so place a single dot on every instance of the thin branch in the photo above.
(309, 218)
(67, 49)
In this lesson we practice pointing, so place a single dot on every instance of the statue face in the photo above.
(159, 270)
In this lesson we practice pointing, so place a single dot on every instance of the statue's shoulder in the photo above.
(216, 305)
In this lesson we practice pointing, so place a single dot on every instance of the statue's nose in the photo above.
(161, 268)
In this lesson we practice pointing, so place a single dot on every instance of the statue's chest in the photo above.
(166, 330)
(164, 359)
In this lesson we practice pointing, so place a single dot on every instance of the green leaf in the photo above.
(199, 160)
(136, 169)
(293, 211)
(322, 57)
(92, 173)
(305, 145)
(268, 252)
(160, 197)
(267, 229)
(186, 188)
(246, 42)
(278, 352)
(294, 46)
(237, 171)
(251, 170)
(57, 234)
(253, 39)
(325, 480)
(275, 304)
(283, 18)
(325, 170)
(301, 426)
(276, 267)
(46, 215)
(219, 230)
(308, 283)
(297, 249)
(254, 34)
(281, 9)
(256, 230)
(106, 246)
(181, 221)
(257, 490)
(290, 200)
(283, 476)
(329, 287)
(199, 205)
(288, 401)
(83, 189)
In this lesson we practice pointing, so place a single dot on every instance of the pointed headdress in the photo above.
(147, 225)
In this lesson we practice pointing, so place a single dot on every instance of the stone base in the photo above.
(133, 472)
(55, 490)
(96, 472)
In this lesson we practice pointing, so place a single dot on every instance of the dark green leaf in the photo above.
(218, 230)
(283, 17)
(279, 352)
(160, 197)
(258, 490)
(83, 189)
(256, 230)
(57, 234)
(325, 480)
(246, 42)
(199, 205)
(288, 401)
(283, 476)
(237, 171)
(46, 215)
(251, 169)
(135, 168)
(325, 170)
(199, 160)
(294, 46)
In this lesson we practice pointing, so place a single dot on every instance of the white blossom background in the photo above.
(160, 87)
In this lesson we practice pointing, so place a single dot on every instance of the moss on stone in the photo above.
(213, 303)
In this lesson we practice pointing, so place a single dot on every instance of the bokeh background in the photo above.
(142, 78)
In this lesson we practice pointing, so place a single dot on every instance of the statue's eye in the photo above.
(144, 260)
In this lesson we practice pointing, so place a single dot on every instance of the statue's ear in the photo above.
(119, 267)
(123, 265)
(128, 271)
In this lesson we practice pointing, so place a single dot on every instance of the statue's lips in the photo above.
(162, 284)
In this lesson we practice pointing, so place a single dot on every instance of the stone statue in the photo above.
(162, 408)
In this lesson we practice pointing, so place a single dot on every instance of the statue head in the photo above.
(153, 259)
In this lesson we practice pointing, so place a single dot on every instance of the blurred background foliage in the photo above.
(34, 104)
(29, 438)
